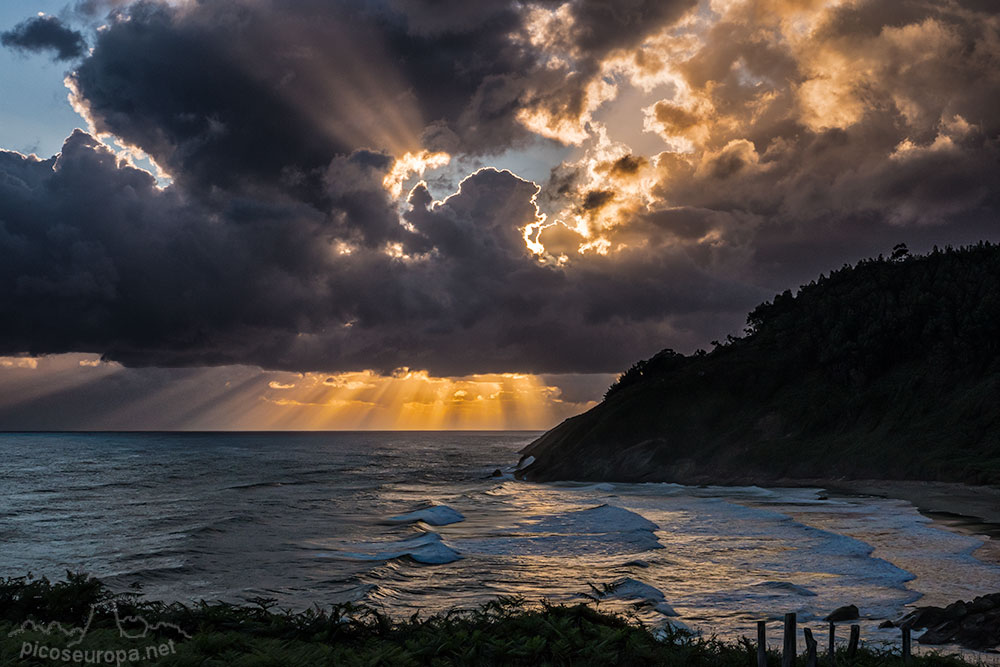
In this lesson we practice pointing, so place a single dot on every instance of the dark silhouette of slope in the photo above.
(888, 369)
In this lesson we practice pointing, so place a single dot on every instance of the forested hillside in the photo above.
(889, 368)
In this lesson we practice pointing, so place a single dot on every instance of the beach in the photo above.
(972, 510)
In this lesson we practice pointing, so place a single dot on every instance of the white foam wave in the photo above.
(601, 530)
(785, 587)
(605, 487)
(600, 519)
(427, 548)
(633, 590)
(435, 515)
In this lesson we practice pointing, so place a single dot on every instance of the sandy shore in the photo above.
(977, 502)
(967, 509)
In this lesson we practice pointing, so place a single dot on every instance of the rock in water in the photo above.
(974, 624)
(956, 610)
(845, 613)
(924, 617)
(983, 603)
(940, 634)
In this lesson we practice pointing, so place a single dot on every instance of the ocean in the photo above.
(416, 521)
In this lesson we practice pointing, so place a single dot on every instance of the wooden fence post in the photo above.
(832, 651)
(852, 645)
(810, 648)
(761, 643)
(788, 650)
(906, 644)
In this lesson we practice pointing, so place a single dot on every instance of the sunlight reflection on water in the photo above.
(305, 518)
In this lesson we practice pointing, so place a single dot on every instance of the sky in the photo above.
(323, 214)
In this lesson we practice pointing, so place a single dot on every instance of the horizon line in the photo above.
(258, 431)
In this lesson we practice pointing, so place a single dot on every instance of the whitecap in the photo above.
(785, 586)
(427, 548)
(600, 519)
(435, 515)
(642, 594)
(601, 530)
(605, 487)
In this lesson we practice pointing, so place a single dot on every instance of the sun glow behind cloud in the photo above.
(245, 398)
(412, 165)
(414, 400)
(609, 182)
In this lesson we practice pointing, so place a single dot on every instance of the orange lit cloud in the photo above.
(747, 97)
(410, 165)
(19, 362)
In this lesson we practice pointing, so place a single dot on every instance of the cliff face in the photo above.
(888, 369)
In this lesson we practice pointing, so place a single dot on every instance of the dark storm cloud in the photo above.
(96, 257)
(200, 92)
(99, 259)
(261, 93)
(277, 244)
(45, 33)
(603, 25)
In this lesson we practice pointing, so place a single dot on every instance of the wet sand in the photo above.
(974, 510)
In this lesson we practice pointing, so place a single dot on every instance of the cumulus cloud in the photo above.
(101, 260)
(45, 33)
(784, 138)
(798, 136)
(264, 93)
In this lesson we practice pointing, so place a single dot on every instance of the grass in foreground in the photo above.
(503, 632)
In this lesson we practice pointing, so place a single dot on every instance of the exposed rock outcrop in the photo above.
(974, 624)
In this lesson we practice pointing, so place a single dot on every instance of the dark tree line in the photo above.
(941, 309)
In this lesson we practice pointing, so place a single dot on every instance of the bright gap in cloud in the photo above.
(79, 391)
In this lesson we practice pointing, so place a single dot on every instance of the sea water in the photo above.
(417, 522)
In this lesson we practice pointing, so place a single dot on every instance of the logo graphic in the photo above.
(133, 628)
(51, 628)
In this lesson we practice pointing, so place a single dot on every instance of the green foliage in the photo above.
(505, 631)
(69, 601)
(663, 362)
(942, 309)
(889, 368)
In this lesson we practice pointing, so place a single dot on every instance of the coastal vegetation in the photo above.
(886, 369)
(506, 631)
